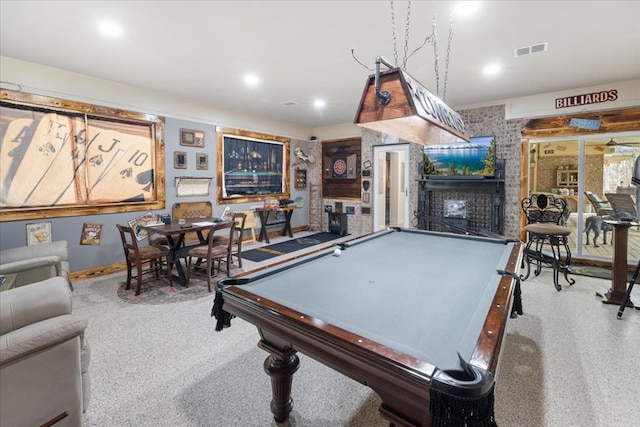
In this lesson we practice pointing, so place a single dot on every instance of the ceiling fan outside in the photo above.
(613, 143)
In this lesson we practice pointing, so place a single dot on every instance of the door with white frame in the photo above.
(391, 186)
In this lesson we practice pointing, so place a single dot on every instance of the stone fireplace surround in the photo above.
(483, 201)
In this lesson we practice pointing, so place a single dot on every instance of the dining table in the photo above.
(175, 233)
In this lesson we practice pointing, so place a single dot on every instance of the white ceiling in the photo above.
(302, 50)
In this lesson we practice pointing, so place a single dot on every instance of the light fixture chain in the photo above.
(434, 26)
(393, 32)
(406, 36)
(446, 68)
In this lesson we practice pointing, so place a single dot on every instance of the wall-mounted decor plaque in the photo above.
(192, 186)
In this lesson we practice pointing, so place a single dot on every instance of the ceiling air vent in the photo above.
(528, 50)
(289, 103)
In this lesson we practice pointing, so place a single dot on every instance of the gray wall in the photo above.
(13, 233)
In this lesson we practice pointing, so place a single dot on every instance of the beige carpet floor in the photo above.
(568, 361)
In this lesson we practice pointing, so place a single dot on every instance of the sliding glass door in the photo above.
(594, 174)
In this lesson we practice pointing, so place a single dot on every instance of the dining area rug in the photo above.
(156, 291)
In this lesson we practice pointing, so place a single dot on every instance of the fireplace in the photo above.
(338, 223)
(461, 205)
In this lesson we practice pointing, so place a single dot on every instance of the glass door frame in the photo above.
(582, 143)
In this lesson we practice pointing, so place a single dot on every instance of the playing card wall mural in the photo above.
(59, 158)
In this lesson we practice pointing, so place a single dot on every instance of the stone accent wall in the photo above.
(487, 121)
(314, 181)
(547, 176)
(479, 121)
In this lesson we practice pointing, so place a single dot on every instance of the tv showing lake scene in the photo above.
(473, 159)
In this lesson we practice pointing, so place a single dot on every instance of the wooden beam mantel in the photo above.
(558, 126)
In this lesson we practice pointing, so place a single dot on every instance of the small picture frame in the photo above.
(366, 197)
(202, 161)
(91, 234)
(179, 160)
(455, 208)
(38, 233)
(192, 138)
(147, 218)
(366, 164)
(227, 214)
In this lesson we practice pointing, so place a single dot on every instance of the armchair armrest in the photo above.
(58, 248)
(34, 303)
(34, 269)
(40, 335)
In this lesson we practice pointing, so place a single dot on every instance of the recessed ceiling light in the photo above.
(110, 29)
(491, 69)
(319, 103)
(466, 8)
(251, 80)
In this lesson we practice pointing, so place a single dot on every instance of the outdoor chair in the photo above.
(622, 203)
(601, 207)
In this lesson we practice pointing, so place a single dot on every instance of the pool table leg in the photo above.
(280, 366)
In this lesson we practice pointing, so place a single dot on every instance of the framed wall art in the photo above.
(192, 138)
(202, 161)
(91, 234)
(192, 186)
(179, 160)
(146, 219)
(77, 160)
(38, 233)
(252, 166)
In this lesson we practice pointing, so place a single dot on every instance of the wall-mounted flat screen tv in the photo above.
(472, 160)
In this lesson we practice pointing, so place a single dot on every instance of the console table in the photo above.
(264, 217)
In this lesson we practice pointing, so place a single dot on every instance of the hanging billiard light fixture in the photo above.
(396, 104)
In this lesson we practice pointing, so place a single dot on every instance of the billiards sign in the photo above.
(587, 98)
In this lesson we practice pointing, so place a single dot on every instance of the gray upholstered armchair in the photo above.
(36, 263)
(44, 356)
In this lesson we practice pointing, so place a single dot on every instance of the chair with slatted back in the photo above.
(213, 253)
(191, 210)
(602, 207)
(250, 225)
(624, 206)
(143, 259)
(240, 219)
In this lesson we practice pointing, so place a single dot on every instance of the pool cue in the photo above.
(627, 294)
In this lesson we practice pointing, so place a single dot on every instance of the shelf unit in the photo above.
(301, 178)
(567, 178)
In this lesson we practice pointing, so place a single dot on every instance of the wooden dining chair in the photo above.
(144, 259)
(213, 252)
(239, 218)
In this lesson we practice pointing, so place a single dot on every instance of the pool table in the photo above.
(417, 316)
